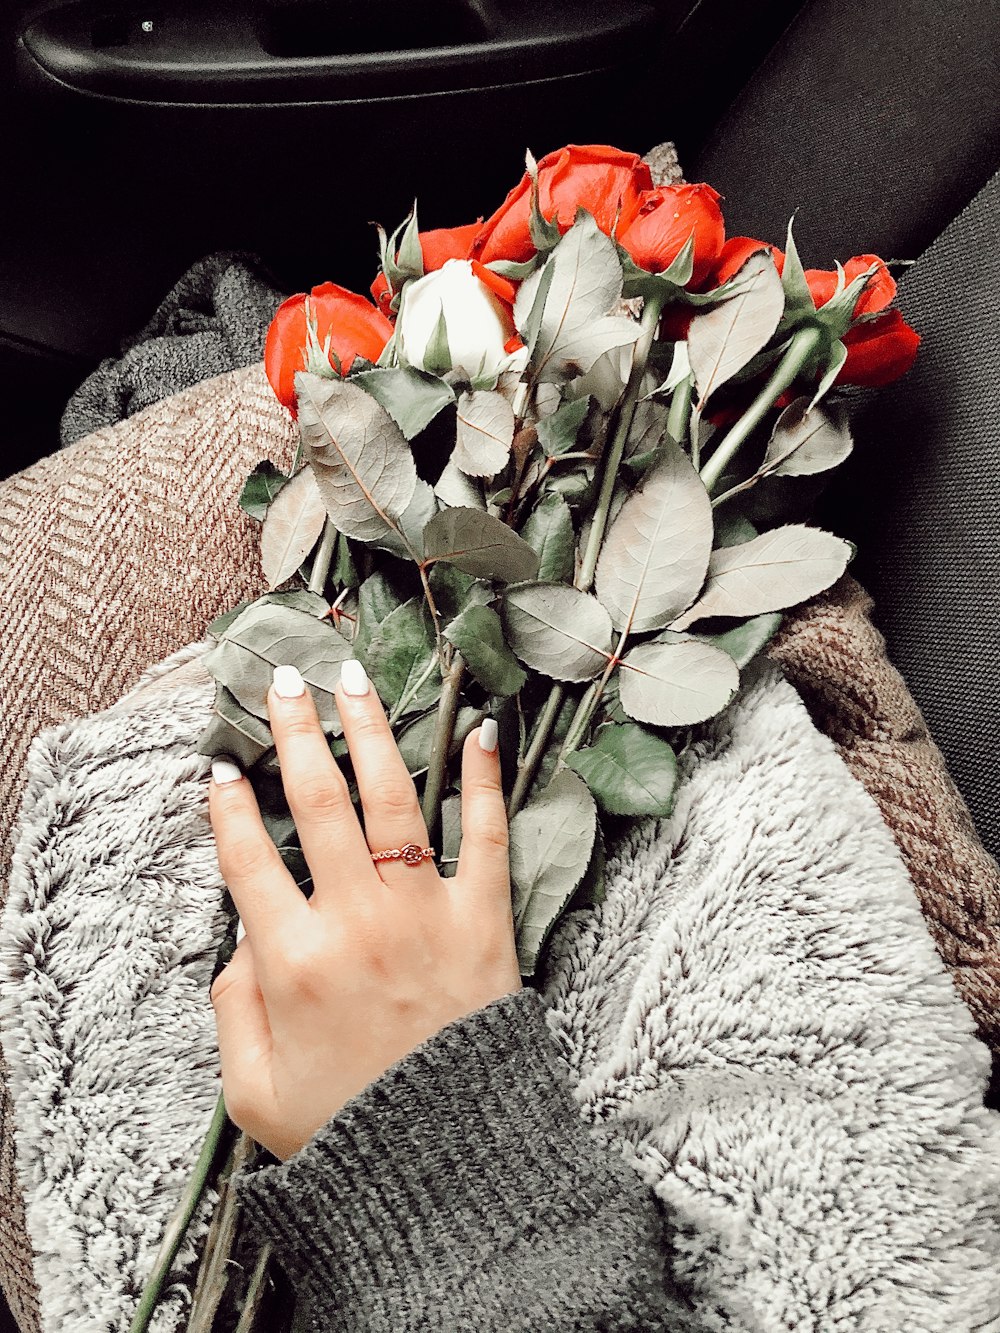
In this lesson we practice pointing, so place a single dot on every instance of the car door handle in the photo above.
(316, 51)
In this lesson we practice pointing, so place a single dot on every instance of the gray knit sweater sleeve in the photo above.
(461, 1191)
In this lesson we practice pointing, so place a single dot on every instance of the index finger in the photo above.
(270, 903)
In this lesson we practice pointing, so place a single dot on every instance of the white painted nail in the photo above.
(353, 677)
(225, 770)
(488, 735)
(240, 931)
(288, 684)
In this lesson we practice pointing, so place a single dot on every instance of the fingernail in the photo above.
(240, 931)
(288, 683)
(353, 677)
(488, 735)
(225, 770)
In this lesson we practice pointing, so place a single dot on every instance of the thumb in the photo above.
(244, 1035)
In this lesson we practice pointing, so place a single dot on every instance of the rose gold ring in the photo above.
(411, 854)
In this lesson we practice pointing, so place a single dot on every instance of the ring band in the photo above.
(411, 854)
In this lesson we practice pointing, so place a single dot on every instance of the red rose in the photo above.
(436, 247)
(603, 180)
(355, 327)
(876, 295)
(735, 253)
(656, 230)
(879, 350)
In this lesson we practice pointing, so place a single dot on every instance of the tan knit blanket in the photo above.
(120, 550)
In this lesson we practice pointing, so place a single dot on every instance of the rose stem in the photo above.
(680, 410)
(212, 1275)
(178, 1225)
(585, 578)
(801, 351)
(451, 690)
(444, 729)
(324, 555)
(256, 1290)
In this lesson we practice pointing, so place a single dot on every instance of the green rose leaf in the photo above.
(590, 891)
(484, 434)
(478, 635)
(480, 545)
(723, 339)
(557, 433)
(377, 599)
(221, 623)
(343, 570)
(411, 397)
(401, 659)
(414, 738)
(776, 570)
(628, 770)
(806, 440)
(234, 731)
(407, 539)
(292, 526)
(646, 434)
(260, 488)
(558, 630)
(549, 533)
(363, 465)
(575, 329)
(656, 553)
(457, 490)
(744, 642)
(677, 683)
(453, 591)
(551, 840)
(266, 635)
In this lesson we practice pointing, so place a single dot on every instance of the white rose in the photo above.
(477, 323)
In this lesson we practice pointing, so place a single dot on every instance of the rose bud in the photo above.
(353, 325)
(603, 180)
(877, 294)
(878, 350)
(436, 248)
(656, 231)
(478, 320)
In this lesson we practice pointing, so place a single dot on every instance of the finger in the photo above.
(244, 1037)
(318, 797)
(483, 860)
(268, 900)
(388, 796)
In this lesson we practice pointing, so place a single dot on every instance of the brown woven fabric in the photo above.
(835, 657)
(119, 550)
(114, 553)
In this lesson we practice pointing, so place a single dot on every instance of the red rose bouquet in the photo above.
(531, 484)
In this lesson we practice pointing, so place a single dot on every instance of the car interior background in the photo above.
(142, 137)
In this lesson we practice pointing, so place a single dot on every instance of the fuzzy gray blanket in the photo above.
(756, 1016)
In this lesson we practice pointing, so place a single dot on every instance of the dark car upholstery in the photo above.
(881, 124)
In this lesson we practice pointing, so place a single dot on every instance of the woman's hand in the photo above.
(323, 994)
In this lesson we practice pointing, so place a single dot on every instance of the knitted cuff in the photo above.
(436, 1167)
